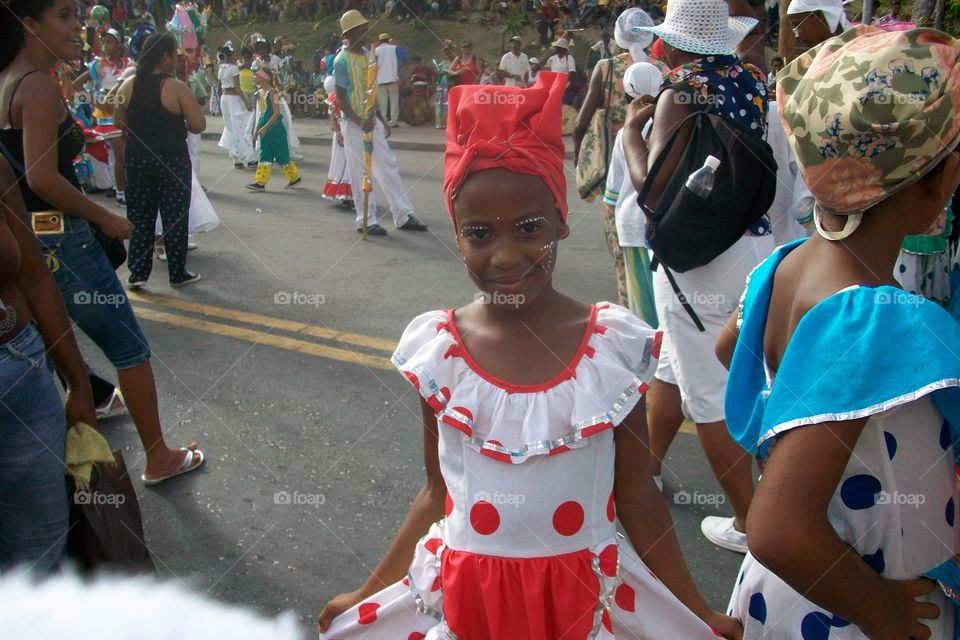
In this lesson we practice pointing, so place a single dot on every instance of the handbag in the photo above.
(106, 528)
(115, 250)
(593, 163)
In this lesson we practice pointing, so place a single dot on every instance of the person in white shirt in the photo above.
(605, 47)
(534, 71)
(388, 88)
(641, 81)
(265, 57)
(561, 61)
(514, 65)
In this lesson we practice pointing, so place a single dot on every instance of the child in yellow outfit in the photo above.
(273, 136)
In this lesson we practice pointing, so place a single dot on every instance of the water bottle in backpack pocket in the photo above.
(724, 182)
(700, 181)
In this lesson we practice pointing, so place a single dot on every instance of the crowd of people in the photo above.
(785, 256)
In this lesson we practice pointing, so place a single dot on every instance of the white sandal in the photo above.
(110, 411)
(189, 464)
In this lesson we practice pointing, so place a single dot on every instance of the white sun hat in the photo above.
(832, 11)
(624, 33)
(702, 26)
(561, 44)
(642, 79)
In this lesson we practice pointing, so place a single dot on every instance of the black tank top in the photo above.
(70, 143)
(150, 127)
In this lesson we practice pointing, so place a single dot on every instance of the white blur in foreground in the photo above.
(118, 608)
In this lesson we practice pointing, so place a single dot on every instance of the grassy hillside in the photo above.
(416, 37)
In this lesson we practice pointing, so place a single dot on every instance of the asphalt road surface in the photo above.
(277, 363)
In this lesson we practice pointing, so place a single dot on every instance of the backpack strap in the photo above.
(657, 264)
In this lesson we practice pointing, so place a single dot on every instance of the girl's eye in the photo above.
(476, 233)
(530, 226)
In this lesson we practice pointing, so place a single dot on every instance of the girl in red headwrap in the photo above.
(535, 437)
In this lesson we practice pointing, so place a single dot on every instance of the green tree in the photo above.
(513, 24)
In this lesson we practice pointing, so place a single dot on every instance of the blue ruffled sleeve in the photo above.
(861, 352)
(857, 353)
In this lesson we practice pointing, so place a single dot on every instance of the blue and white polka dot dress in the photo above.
(865, 352)
(895, 505)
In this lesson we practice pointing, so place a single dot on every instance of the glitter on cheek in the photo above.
(547, 259)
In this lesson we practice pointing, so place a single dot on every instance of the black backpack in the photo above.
(687, 231)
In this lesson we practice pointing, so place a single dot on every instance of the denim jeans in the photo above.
(34, 514)
(95, 299)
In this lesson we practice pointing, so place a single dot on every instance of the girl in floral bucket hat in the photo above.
(844, 386)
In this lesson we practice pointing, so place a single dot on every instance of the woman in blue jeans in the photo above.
(37, 131)
(33, 493)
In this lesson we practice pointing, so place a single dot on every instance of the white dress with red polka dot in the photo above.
(528, 548)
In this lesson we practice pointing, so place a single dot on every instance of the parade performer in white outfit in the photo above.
(338, 176)
(353, 68)
(237, 112)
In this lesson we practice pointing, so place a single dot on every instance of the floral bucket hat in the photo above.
(870, 112)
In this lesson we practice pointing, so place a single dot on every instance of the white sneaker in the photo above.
(720, 531)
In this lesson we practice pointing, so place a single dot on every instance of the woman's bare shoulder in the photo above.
(34, 83)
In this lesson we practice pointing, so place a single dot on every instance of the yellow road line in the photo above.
(281, 342)
(293, 326)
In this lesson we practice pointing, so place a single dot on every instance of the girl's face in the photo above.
(59, 30)
(508, 227)
(109, 46)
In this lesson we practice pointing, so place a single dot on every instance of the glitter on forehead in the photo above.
(529, 219)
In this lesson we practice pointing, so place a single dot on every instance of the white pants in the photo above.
(687, 358)
(388, 98)
(385, 173)
(193, 148)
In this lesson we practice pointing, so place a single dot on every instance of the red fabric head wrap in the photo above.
(657, 52)
(490, 127)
